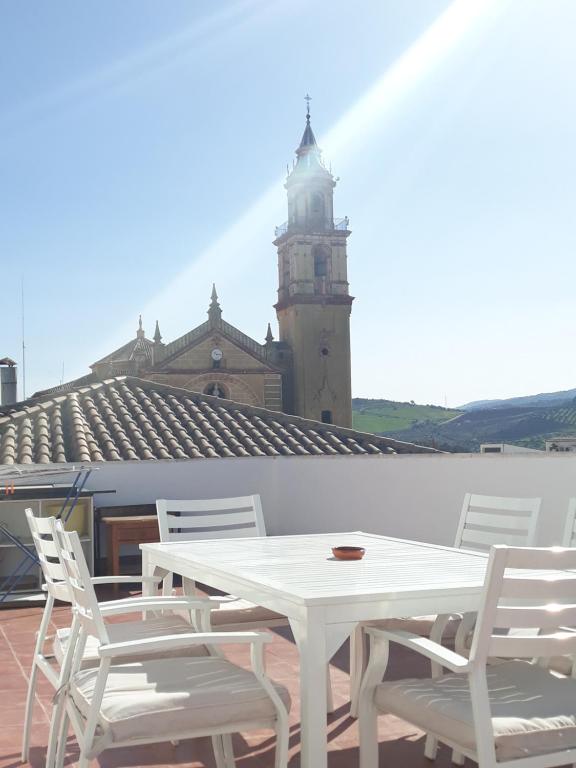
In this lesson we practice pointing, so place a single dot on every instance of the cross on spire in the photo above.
(307, 99)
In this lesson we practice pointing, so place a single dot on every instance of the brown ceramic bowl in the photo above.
(348, 553)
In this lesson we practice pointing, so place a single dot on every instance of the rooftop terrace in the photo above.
(414, 496)
(400, 743)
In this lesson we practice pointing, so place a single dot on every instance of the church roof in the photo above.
(139, 347)
(126, 418)
(178, 346)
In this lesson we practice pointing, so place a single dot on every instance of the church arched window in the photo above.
(321, 255)
(216, 390)
(317, 208)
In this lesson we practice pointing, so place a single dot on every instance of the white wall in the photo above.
(414, 496)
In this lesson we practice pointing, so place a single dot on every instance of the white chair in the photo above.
(513, 712)
(193, 520)
(157, 700)
(566, 664)
(484, 520)
(48, 662)
(241, 517)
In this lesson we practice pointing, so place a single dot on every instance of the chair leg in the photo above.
(368, 734)
(218, 749)
(358, 662)
(430, 747)
(56, 727)
(28, 712)
(329, 693)
(281, 756)
(38, 649)
(229, 761)
(62, 740)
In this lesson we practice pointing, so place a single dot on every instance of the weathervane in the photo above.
(307, 99)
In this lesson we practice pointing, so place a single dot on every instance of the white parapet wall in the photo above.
(416, 496)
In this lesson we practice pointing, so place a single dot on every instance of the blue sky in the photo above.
(142, 152)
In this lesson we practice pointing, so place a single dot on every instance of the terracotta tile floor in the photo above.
(401, 744)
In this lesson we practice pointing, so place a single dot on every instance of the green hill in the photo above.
(390, 416)
(528, 426)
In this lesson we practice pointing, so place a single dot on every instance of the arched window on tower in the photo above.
(321, 256)
(317, 208)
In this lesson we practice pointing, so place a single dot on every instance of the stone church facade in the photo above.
(308, 371)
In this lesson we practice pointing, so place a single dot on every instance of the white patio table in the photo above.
(325, 598)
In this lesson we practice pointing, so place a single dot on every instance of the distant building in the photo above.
(561, 444)
(506, 448)
(308, 371)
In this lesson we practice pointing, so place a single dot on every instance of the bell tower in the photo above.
(314, 304)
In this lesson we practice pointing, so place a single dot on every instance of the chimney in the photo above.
(8, 393)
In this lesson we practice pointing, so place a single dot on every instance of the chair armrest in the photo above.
(137, 579)
(133, 604)
(423, 645)
(172, 642)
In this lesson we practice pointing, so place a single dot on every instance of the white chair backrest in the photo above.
(569, 539)
(81, 588)
(521, 595)
(192, 520)
(489, 520)
(47, 550)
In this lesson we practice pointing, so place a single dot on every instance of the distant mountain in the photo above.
(544, 400)
(528, 426)
(524, 421)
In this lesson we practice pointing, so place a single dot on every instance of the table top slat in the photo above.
(304, 568)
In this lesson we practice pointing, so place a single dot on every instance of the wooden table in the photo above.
(324, 598)
(133, 529)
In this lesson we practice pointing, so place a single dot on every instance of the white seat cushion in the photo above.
(171, 697)
(122, 631)
(533, 711)
(236, 611)
(418, 625)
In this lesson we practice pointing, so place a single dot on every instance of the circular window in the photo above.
(324, 351)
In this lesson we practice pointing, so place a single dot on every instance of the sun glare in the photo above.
(246, 235)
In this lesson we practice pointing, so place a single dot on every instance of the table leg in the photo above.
(310, 637)
(148, 588)
(112, 555)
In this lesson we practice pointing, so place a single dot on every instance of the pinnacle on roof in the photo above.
(140, 332)
(269, 335)
(157, 334)
(308, 139)
(214, 310)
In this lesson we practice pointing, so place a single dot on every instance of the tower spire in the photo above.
(214, 310)
(140, 332)
(157, 334)
(308, 142)
(269, 335)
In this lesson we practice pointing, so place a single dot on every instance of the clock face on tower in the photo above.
(216, 354)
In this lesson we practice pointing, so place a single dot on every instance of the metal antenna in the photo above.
(62, 377)
(23, 341)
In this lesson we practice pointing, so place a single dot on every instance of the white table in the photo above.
(324, 598)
